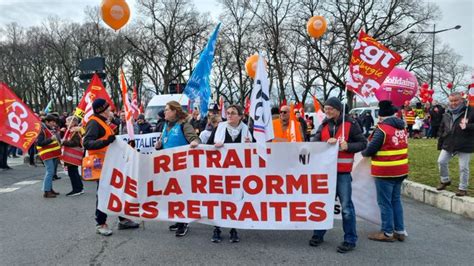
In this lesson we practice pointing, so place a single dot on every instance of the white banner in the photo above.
(364, 193)
(229, 187)
(144, 143)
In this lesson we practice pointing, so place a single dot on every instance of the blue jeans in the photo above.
(390, 204)
(48, 177)
(344, 193)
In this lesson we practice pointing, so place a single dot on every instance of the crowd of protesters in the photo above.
(385, 141)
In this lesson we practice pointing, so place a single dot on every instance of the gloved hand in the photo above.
(111, 139)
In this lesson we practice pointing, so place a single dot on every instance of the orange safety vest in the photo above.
(72, 155)
(410, 117)
(392, 158)
(50, 151)
(92, 163)
(345, 160)
(285, 136)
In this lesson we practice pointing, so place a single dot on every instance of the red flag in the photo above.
(293, 123)
(221, 107)
(135, 108)
(95, 90)
(19, 126)
(127, 106)
(300, 108)
(190, 108)
(370, 64)
(283, 103)
(319, 112)
(247, 105)
(317, 105)
(141, 108)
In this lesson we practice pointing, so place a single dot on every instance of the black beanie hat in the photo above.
(99, 105)
(386, 108)
(335, 103)
(51, 117)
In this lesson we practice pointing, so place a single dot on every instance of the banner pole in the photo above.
(344, 116)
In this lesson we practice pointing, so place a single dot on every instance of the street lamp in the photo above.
(434, 32)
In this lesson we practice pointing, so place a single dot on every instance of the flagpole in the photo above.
(344, 116)
(467, 108)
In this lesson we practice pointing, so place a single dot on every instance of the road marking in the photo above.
(25, 183)
(8, 189)
(18, 185)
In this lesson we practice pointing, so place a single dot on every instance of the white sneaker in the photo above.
(103, 230)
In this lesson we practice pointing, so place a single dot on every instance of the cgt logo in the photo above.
(304, 156)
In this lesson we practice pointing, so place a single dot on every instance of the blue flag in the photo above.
(198, 84)
(48, 107)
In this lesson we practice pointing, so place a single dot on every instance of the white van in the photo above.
(374, 111)
(158, 103)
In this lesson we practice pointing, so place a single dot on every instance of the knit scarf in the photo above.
(234, 132)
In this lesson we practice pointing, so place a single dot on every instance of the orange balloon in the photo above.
(115, 13)
(316, 26)
(251, 65)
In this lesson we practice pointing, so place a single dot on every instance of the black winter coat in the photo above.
(144, 128)
(94, 131)
(452, 138)
(436, 117)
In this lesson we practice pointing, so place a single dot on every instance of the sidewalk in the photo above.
(444, 200)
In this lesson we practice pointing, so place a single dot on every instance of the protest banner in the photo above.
(144, 143)
(364, 193)
(228, 187)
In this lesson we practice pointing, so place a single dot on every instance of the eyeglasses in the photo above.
(232, 113)
(283, 112)
(328, 108)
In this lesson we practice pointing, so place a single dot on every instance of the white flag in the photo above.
(260, 107)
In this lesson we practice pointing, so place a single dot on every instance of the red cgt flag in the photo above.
(370, 64)
(19, 126)
(95, 90)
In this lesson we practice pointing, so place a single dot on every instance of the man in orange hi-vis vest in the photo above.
(96, 139)
(345, 132)
(284, 130)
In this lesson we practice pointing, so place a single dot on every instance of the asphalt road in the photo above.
(61, 231)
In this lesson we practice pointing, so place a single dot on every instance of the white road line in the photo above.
(18, 185)
(25, 183)
(8, 189)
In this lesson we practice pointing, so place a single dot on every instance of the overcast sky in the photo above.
(34, 12)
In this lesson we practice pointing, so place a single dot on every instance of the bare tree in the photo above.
(160, 40)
